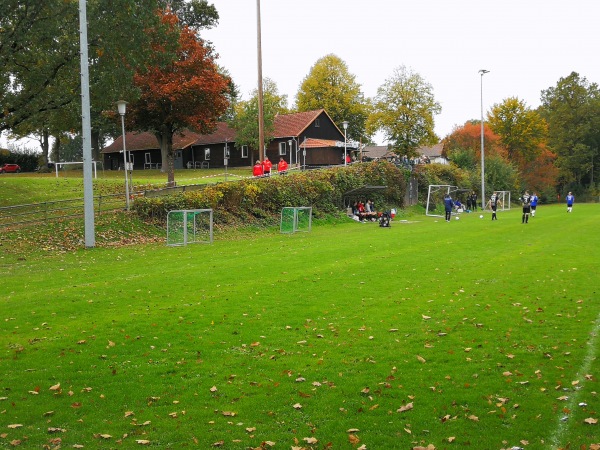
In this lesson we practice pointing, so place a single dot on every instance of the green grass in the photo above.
(27, 188)
(487, 329)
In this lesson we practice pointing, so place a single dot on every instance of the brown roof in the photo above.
(148, 141)
(317, 143)
(379, 151)
(288, 125)
(433, 151)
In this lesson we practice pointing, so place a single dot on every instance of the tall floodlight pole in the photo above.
(482, 73)
(86, 130)
(345, 125)
(122, 108)
(261, 122)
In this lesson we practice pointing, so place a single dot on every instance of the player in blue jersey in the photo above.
(534, 201)
(570, 200)
(448, 205)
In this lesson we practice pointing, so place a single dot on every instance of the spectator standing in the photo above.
(448, 205)
(570, 200)
(282, 166)
(473, 198)
(526, 202)
(494, 200)
(267, 164)
(257, 170)
(534, 200)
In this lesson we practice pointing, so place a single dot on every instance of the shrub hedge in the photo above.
(259, 200)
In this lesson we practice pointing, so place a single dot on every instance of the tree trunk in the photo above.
(56, 149)
(45, 142)
(165, 139)
(96, 145)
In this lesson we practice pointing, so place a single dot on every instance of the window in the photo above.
(282, 149)
(244, 151)
(317, 123)
(207, 154)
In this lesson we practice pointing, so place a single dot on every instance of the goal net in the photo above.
(503, 201)
(296, 219)
(189, 226)
(435, 198)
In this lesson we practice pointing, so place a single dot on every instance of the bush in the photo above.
(259, 201)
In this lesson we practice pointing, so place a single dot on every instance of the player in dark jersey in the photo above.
(494, 200)
(526, 202)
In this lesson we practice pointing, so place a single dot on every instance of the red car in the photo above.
(10, 168)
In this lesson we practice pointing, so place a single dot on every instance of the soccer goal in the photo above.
(189, 226)
(295, 219)
(435, 198)
(503, 201)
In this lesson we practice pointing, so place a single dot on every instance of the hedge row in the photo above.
(260, 200)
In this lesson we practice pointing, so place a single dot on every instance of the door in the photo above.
(178, 159)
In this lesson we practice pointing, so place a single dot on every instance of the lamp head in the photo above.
(483, 71)
(122, 107)
(345, 124)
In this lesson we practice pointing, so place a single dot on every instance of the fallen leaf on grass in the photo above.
(353, 439)
(473, 418)
(591, 421)
(310, 440)
(15, 426)
(143, 441)
(56, 387)
(421, 359)
(406, 407)
(297, 406)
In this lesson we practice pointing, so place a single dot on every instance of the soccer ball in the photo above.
(481, 216)
(457, 217)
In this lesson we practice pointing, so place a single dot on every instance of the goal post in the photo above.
(435, 198)
(189, 226)
(296, 219)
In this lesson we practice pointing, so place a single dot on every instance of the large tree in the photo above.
(404, 109)
(572, 110)
(186, 92)
(329, 85)
(245, 121)
(39, 62)
(522, 131)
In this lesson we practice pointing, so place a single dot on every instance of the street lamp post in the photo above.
(345, 125)
(122, 108)
(482, 73)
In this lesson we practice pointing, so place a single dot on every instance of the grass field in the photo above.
(26, 188)
(470, 334)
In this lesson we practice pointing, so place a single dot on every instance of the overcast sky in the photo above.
(527, 45)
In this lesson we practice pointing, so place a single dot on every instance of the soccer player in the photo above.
(494, 200)
(448, 205)
(534, 200)
(570, 200)
(526, 201)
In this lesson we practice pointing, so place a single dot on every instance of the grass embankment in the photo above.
(470, 333)
(27, 188)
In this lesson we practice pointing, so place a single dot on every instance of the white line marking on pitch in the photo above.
(563, 422)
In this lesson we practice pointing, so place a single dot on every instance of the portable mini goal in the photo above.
(503, 201)
(435, 198)
(295, 219)
(189, 226)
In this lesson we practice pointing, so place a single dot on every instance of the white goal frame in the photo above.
(445, 189)
(296, 219)
(59, 164)
(184, 227)
(504, 204)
